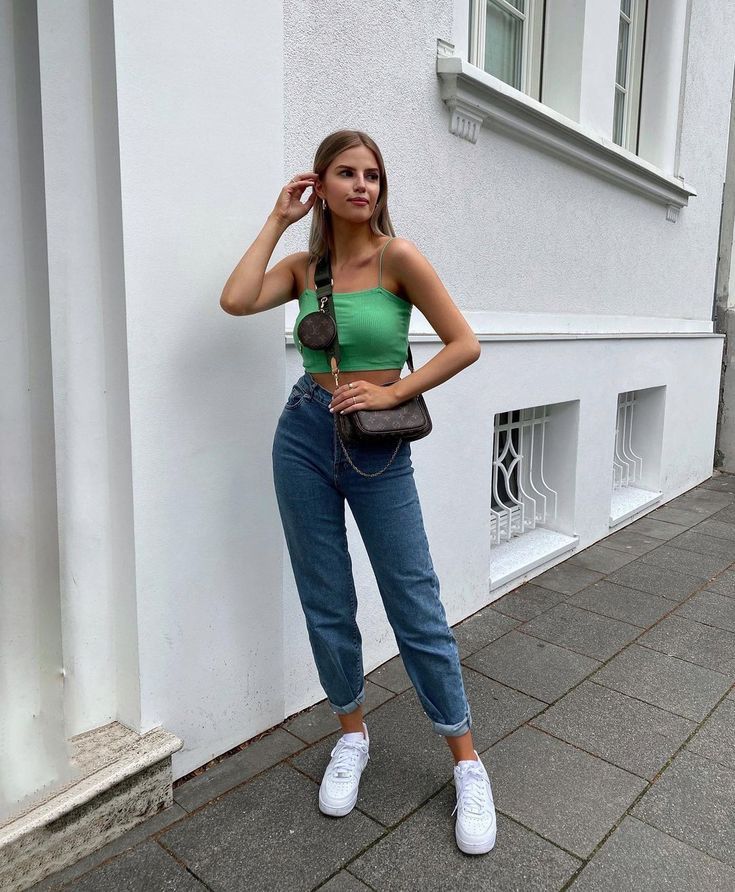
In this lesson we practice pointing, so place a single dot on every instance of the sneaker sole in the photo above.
(336, 811)
(477, 847)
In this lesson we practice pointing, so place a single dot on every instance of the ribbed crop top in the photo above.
(372, 326)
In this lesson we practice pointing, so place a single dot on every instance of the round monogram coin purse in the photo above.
(317, 330)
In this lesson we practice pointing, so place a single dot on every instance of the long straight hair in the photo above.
(321, 236)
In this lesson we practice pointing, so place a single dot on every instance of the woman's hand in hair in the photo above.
(289, 208)
(366, 396)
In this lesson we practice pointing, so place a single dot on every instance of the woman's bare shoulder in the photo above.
(401, 248)
(297, 259)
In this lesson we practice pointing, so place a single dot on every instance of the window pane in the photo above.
(625, 6)
(503, 45)
(519, 4)
(618, 113)
(621, 74)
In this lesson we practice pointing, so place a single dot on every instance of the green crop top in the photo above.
(372, 326)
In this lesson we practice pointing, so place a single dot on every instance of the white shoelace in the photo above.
(473, 794)
(346, 755)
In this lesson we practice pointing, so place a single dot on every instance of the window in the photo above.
(521, 497)
(627, 465)
(505, 41)
(636, 461)
(628, 73)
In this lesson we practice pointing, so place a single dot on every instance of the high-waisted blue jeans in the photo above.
(312, 479)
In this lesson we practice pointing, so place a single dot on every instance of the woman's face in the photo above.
(351, 184)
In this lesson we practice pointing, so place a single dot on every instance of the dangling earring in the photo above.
(324, 204)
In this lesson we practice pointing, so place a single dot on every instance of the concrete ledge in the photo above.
(511, 561)
(630, 501)
(113, 795)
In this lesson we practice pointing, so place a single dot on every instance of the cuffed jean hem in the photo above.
(351, 706)
(455, 730)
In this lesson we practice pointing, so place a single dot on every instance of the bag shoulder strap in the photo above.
(323, 276)
(323, 282)
(380, 264)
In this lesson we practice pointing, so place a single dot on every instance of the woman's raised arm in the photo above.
(250, 289)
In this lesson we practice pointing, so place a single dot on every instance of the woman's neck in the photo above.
(352, 243)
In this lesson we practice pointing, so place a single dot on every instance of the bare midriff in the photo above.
(373, 376)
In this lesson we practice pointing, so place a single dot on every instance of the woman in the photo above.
(314, 472)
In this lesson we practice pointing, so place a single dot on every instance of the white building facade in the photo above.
(561, 165)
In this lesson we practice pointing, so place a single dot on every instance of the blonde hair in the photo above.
(320, 236)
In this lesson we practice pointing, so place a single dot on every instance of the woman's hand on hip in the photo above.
(362, 395)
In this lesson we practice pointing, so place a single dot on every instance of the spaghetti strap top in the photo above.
(380, 263)
(372, 325)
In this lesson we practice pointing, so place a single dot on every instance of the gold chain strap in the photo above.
(354, 466)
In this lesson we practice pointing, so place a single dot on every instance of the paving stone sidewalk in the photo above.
(603, 708)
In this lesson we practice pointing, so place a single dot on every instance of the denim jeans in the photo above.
(312, 479)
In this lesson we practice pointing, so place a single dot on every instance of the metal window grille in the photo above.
(627, 465)
(521, 498)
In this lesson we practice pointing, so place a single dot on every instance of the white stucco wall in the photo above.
(703, 152)
(200, 112)
(87, 318)
(33, 747)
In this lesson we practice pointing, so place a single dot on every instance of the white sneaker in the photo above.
(476, 823)
(338, 790)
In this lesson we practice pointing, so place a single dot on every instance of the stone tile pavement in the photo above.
(604, 710)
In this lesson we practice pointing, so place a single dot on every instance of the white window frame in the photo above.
(533, 19)
(634, 67)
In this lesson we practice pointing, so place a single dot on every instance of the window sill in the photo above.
(512, 560)
(628, 501)
(475, 97)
